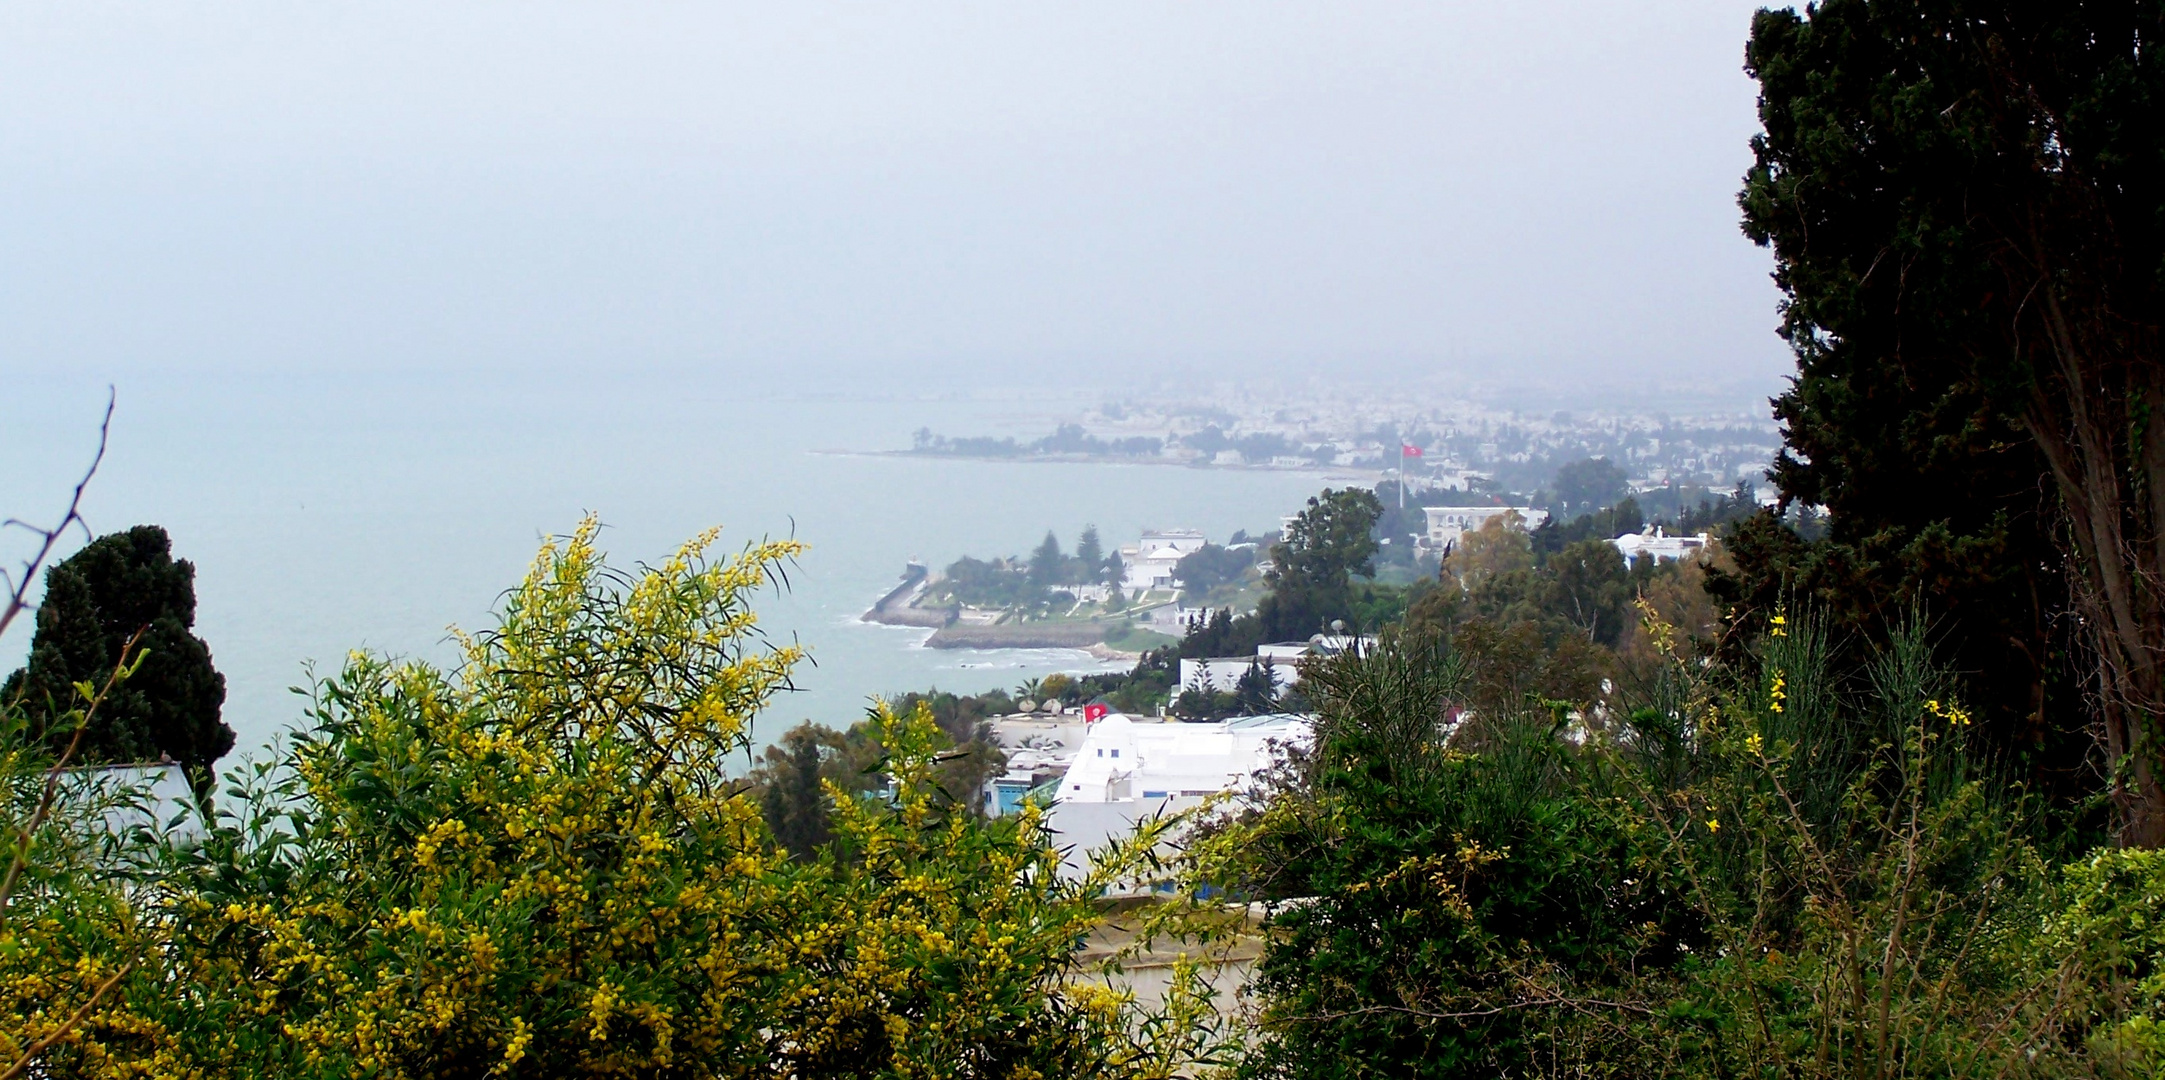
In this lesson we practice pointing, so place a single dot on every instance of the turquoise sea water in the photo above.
(327, 513)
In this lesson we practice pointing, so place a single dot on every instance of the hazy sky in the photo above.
(1543, 189)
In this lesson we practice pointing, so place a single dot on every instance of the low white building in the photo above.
(1446, 524)
(1183, 541)
(1127, 769)
(1657, 545)
(1225, 672)
(1153, 562)
(1039, 749)
(1283, 657)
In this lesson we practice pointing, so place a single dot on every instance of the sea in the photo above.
(331, 512)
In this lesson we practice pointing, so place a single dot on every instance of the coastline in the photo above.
(1018, 636)
(1348, 474)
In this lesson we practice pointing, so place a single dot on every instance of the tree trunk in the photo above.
(2098, 413)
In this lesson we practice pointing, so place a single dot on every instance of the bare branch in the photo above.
(29, 831)
(1532, 1003)
(75, 1018)
(17, 588)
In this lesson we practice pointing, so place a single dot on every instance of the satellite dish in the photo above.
(1052, 705)
(1026, 705)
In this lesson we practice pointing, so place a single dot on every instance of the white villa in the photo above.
(1657, 545)
(1446, 524)
(1153, 562)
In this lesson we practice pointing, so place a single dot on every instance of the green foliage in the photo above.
(1128, 637)
(996, 584)
(1047, 563)
(791, 784)
(1089, 554)
(1583, 487)
(1432, 881)
(1029, 585)
(1115, 571)
(536, 864)
(1963, 201)
(79, 847)
(95, 602)
(1690, 508)
(1313, 567)
(1771, 869)
(1204, 570)
(1558, 533)
(1497, 575)
(1066, 439)
(1254, 693)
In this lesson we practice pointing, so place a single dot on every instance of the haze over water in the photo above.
(276, 226)
(327, 513)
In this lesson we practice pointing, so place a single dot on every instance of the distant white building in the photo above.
(1039, 749)
(1181, 540)
(1127, 769)
(1446, 524)
(1657, 545)
(1224, 672)
(1154, 561)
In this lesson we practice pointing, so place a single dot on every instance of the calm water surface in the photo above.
(331, 513)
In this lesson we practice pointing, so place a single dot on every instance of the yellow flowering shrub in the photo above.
(75, 883)
(538, 864)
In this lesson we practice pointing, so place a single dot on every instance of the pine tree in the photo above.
(1047, 562)
(791, 798)
(94, 602)
(1089, 555)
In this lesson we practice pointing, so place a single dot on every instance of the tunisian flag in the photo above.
(1408, 450)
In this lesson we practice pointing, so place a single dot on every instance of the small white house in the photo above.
(1446, 524)
(1128, 769)
(1657, 545)
(1154, 562)
(1156, 569)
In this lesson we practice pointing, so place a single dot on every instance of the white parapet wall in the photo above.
(1128, 769)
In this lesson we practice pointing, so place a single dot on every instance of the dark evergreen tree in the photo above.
(1583, 487)
(1089, 556)
(1115, 571)
(1312, 569)
(1208, 567)
(1047, 562)
(791, 798)
(1966, 203)
(1256, 691)
(95, 601)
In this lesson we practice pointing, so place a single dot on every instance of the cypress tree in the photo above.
(94, 602)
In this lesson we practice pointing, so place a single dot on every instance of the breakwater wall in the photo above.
(894, 608)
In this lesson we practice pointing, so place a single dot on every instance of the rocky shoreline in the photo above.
(1018, 636)
(898, 608)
